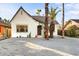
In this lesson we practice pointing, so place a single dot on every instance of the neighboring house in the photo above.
(72, 23)
(5, 30)
(23, 24)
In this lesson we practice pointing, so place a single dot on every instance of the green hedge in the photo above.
(70, 33)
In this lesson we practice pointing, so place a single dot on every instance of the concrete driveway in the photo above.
(39, 47)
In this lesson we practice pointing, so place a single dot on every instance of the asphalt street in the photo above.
(39, 47)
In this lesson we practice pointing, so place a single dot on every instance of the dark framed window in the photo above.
(39, 29)
(22, 28)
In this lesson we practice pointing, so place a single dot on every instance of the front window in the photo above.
(22, 28)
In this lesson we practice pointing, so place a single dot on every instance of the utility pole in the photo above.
(62, 20)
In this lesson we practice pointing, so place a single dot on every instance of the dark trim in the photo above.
(29, 15)
(24, 11)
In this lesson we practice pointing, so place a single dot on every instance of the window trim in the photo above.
(20, 29)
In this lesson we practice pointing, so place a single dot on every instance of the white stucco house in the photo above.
(23, 24)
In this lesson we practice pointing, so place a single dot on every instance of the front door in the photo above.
(39, 30)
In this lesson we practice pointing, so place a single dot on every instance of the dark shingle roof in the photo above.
(76, 20)
(42, 19)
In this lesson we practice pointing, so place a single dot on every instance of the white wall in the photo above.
(24, 19)
(57, 26)
(56, 29)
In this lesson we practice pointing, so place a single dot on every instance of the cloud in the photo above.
(71, 10)
(6, 13)
(74, 13)
(68, 4)
(73, 6)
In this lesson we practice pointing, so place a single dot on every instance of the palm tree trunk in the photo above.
(46, 21)
(63, 20)
(52, 27)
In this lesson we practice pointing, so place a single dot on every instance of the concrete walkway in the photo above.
(39, 47)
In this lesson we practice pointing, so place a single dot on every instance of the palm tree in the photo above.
(62, 20)
(53, 12)
(46, 22)
(38, 12)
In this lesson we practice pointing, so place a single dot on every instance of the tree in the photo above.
(53, 12)
(0, 18)
(46, 22)
(72, 31)
(6, 21)
(38, 12)
(62, 20)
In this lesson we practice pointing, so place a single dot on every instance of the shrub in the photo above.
(29, 35)
(59, 32)
(71, 32)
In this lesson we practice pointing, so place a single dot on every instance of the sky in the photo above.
(7, 10)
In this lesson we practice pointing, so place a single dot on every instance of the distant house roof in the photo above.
(2, 23)
(37, 18)
(76, 20)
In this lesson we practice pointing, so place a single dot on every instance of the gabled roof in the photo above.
(18, 11)
(76, 20)
(40, 19)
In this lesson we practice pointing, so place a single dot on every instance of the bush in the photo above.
(71, 32)
(29, 36)
(59, 32)
(77, 32)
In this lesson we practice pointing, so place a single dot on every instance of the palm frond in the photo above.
(53, 12)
